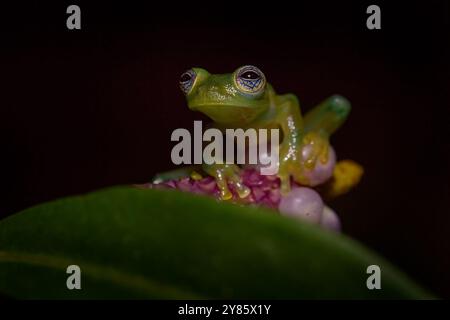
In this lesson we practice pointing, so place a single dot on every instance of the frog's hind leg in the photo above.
(176, 174)
(325, 119)
(319, 124)
(328, 116)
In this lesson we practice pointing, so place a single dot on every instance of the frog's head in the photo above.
(234, 98)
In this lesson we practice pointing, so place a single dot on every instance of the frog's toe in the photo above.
(315, 147)
(340, 106)
(285, 183)
(242, 190)
(224, 191)
(225, 194)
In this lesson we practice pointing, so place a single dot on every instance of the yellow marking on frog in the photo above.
(196, 176)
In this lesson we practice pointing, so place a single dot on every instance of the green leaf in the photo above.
(132, 243)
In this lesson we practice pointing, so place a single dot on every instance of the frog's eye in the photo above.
(250, 79)
(187, 80)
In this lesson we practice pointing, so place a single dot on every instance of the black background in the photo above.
(82, 110)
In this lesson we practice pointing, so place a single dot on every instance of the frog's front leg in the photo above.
(224, 174)
(289, 118)
(307, 141)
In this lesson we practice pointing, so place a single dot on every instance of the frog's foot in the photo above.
(299, 161)
(315, 148)
(290, 165)
(228, 174)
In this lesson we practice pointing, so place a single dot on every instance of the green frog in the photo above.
(244, 99)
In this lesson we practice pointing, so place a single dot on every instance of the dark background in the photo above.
(82, 110)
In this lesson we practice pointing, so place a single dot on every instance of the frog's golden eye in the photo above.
(187, 80)
(250, 79)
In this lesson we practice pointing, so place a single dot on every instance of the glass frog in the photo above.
(244, 99)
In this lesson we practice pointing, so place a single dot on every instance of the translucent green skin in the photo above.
(221, 99)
